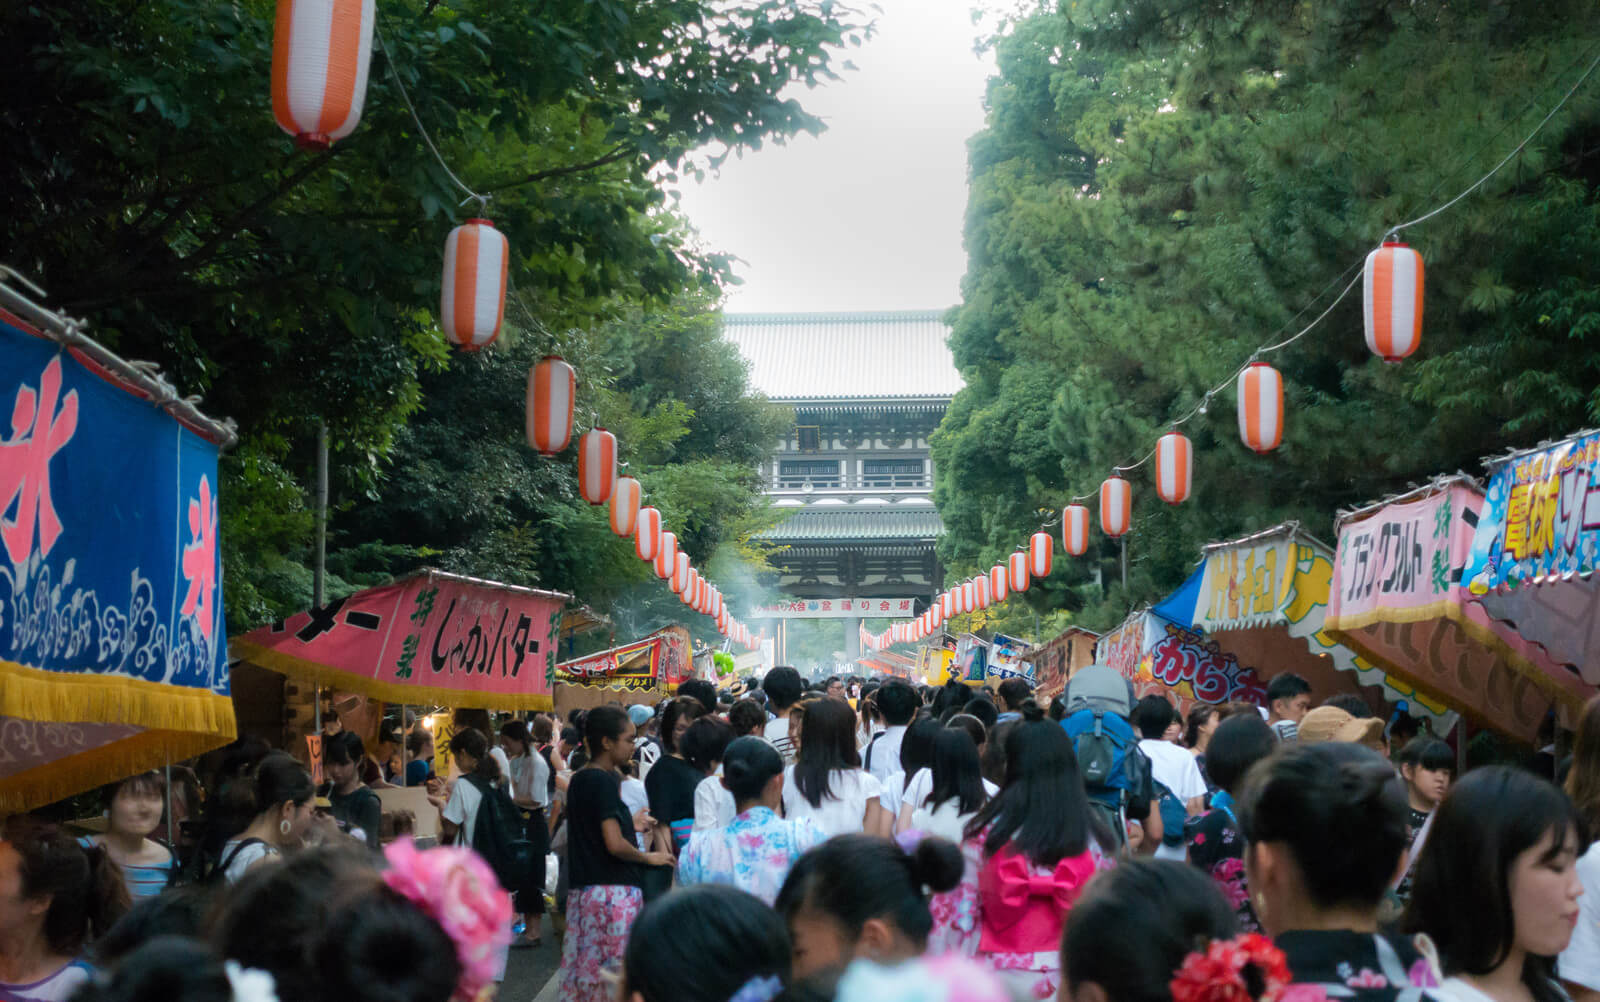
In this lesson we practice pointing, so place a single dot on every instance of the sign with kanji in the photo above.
(837, 608)
(662, 659)
(432, 638)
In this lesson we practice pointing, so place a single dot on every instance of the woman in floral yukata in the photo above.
(755, 851)
(1215, 844)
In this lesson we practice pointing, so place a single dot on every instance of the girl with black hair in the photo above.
(604, 862)
(916, 754)
(1580, 961)
(863, 896)
(827, 783)
(704, 744)
(671, 782)
(754, 851)
(1134, 926)
(1325, 827)
(350, 800)
(1215, 844)
(162, 969)
(943, 797)
(1495, 890)
(1427, 765)
(133, 809)
(458, 816)
(54, 894)
(282, 793)
(1033, 848)
(530, 792)
(705, 944)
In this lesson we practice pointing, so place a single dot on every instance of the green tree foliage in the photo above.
(1162, 188)
(148, 188)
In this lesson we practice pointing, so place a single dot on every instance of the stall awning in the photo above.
(433, 637)
(1398, 600)
(111, 624)
(660, 661)
(1534, 558)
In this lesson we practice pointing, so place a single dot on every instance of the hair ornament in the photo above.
(456, 888)
(759, 989)
(250, 985)
(1246, 968)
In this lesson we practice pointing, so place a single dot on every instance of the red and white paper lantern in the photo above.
(625, 496)
(1041, 554)
(1075, 529)
(647, 534)
(597, 465)
(1391, 301)
(472, 300)
(947, 604)
(321, 50)
(1174, 467)
(552, 385)
(1017, 574)
(1260, 407)
(999, 582)
(667, 556)
(1116, 506)
(680, 572)
(980, 588)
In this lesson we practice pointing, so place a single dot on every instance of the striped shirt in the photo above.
(142, 881)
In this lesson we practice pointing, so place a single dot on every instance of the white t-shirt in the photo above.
(1580, 961)
(893, 789)
(634, 796)
(921, 788)
(240, 861)
(461, 809)
(777, 735)
(1173, 767)
(843, 810)
(713, 804)
(884, 752)
(946, 822)
(530, 779)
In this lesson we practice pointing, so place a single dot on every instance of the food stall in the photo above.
(647, 670)
(1399, 601)
(1533, 560)
(1054, 662)
(111, 622)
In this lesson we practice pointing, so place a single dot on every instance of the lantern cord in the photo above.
(483, 200)
(1474, 186)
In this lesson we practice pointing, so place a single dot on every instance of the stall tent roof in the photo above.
(846, 356)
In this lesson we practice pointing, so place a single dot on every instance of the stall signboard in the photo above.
(935, 661)
(1398, 600)
(1006, 659)
(1534, 557)
(431, 638)
(661, 660)
(111, 625)
(1054, 663)
(837, 608)
(972, 659)
(1182, 663)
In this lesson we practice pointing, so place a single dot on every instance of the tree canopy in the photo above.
(1163, 188)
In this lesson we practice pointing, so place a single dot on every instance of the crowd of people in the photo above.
(843, 840)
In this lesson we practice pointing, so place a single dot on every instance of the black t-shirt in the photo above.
(593, 797)
(671, 786)
(360, 808)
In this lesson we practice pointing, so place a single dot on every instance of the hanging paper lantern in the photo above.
(1041, 554)
(1075, 529)
(1391, 301)
(597, 465)
(472, 302)
(716, 603)
(320, 53)
(625, 506)
(646, 533)
(1174, 467)
(946, 604)
(667, 556)
(552, 385)
(680, 572)
(969, 597)
(1017, 576)
(1116, 506)
(985, 595)
(999, 582)
(1260, 407)
(935, 616)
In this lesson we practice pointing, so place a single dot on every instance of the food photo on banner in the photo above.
(112, 653)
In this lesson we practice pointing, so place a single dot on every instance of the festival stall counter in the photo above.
(643, 671)
(1399, 600)
(1254, 608)
(111, 622)
(1533, 561)
(431, 638)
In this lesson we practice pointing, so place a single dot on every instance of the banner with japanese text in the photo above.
(661, 659)
(111, 622)
(432, 638)
(836, 608)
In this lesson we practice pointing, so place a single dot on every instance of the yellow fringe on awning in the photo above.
(390, 692)
(178, 722)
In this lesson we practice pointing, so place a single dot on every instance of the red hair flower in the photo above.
(1244, 969)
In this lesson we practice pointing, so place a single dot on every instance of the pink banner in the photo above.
(434, 638)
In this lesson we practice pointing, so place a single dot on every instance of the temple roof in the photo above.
(846, 356)
(840, 523)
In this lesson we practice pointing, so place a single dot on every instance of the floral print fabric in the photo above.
(1216, 847)
(754, 852)
(598, 921)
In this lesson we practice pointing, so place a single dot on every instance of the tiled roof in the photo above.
(852, 522)
(832, 356)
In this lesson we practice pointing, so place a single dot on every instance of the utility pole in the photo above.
(319, 567)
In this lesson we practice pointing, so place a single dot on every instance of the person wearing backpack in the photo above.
(1180, 789)
(1116, 773)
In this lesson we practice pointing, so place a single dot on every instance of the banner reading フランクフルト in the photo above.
(111, 625)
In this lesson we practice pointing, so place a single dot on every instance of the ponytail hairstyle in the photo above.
(279, 779)
(748, 766)
(85, 886)
(705, 943)
(1133, 926)
(472, 742)
(607, 723)
(853, 879)
(705, 742)
(162, 969)
(517, 731)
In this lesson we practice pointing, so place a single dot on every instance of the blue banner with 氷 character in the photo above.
(112, 638)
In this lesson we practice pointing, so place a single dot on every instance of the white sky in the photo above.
(867, 216)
